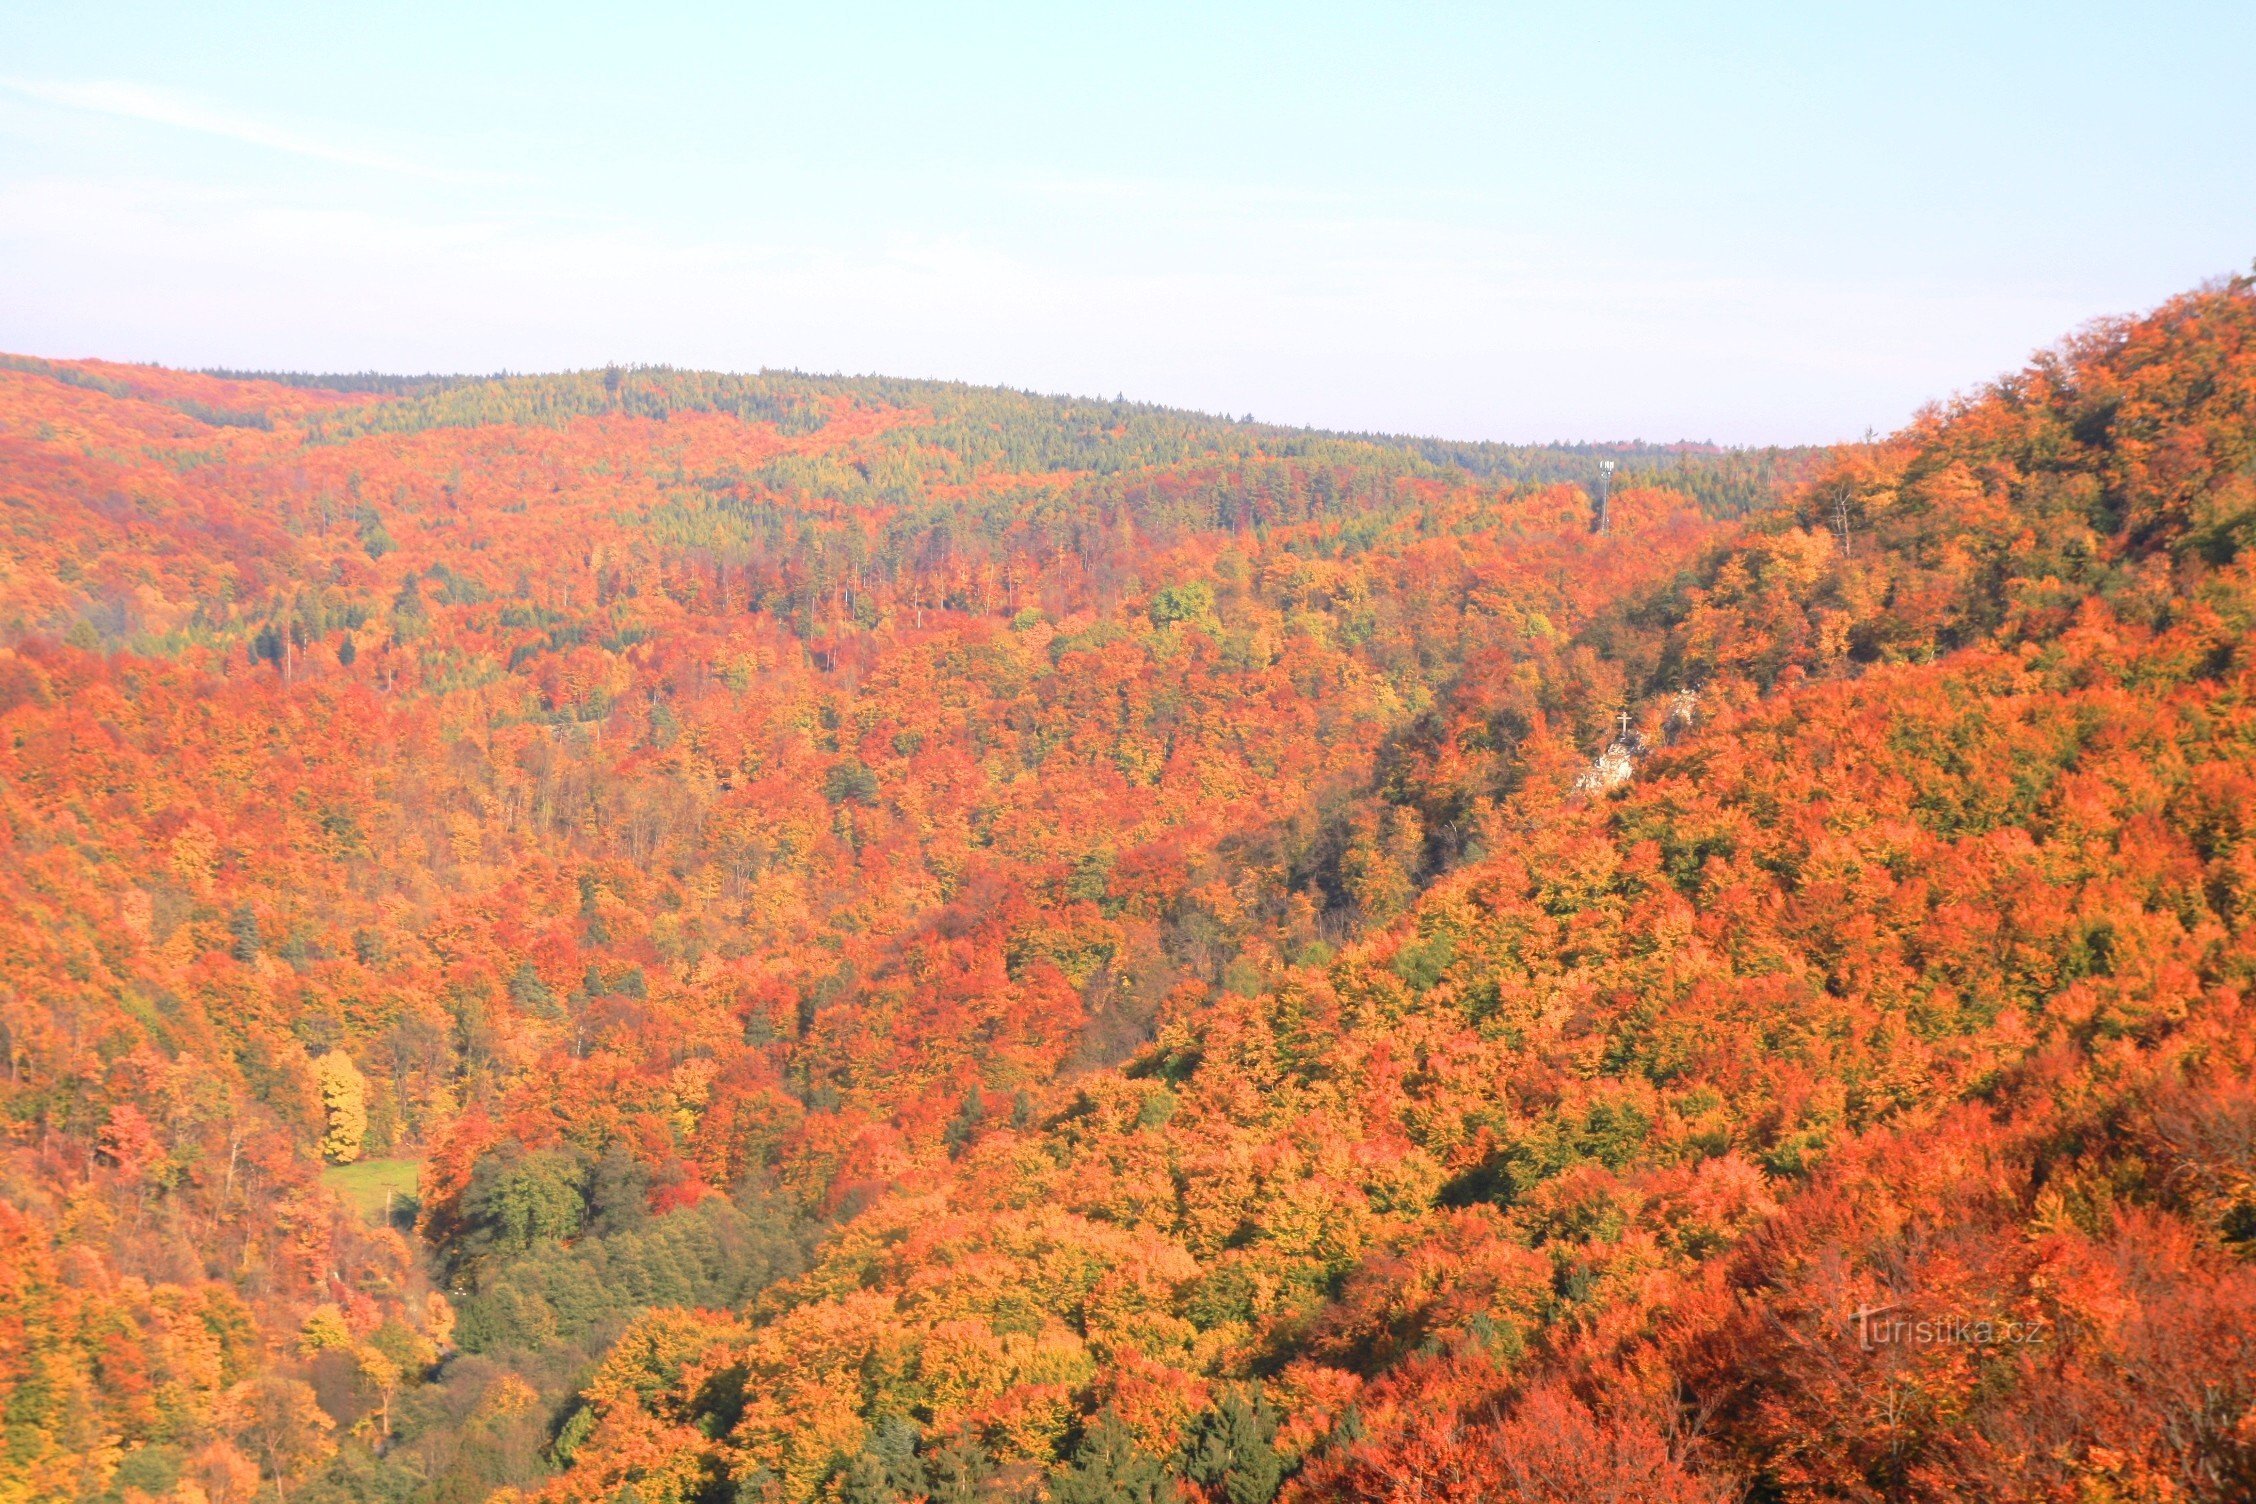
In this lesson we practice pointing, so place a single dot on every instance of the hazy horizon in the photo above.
(311, 378)
(1760, 227)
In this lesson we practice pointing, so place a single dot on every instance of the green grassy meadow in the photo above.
(363, 1186)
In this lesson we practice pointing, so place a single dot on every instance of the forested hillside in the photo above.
(645, 935)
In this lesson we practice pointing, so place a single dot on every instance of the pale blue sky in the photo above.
(1739, 222)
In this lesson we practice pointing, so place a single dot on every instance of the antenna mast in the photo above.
(1605, 488)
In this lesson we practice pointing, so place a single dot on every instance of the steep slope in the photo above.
(1854, 1104)
(677, 807)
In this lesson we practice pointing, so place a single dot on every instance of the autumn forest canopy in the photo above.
(652, 936)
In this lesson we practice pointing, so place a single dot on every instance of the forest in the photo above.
(664, 937)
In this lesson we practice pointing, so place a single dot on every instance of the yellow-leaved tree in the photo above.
(344, 1096)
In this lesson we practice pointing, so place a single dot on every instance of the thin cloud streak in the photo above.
(130, 101)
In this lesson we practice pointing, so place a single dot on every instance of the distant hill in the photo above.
(1727, 481)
